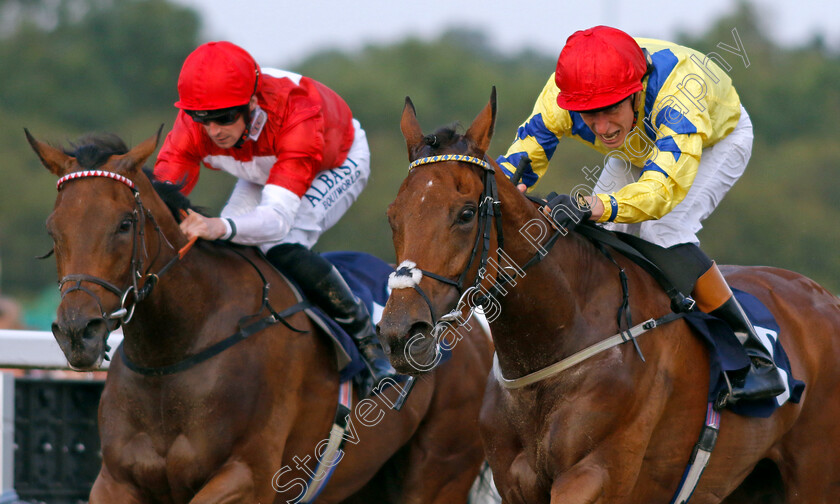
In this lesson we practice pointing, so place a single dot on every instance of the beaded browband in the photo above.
(450, 157)
(93, 173)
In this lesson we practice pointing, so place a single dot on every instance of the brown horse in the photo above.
(245, 425)
(611, 428)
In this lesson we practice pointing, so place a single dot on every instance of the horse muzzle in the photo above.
(410, 345)
(82, 340)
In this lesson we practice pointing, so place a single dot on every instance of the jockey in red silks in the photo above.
(675, 138)
(301, 160)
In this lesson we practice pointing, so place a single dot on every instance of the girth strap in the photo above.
(332, 454)
(699, 456)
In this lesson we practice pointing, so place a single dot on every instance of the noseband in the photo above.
(134, 293)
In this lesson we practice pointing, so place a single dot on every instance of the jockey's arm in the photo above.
(268, 221)
(259, 215)
(537, 138)
(595, 204)
(664, 182)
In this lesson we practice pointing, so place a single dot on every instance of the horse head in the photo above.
(104, 240)
(436, 212)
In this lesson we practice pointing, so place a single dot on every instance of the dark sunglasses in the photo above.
(222, 117)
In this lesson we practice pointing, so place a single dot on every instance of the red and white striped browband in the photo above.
(93, 173)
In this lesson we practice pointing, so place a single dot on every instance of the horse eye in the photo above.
(125, 226)
(466, 215)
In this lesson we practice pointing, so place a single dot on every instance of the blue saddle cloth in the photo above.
(727, 354)
(367, 277)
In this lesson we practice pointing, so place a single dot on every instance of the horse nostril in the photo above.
(421, 328)
(94, 329)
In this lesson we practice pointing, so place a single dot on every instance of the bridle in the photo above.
(489, 211)
(409, 275)
(136, 291)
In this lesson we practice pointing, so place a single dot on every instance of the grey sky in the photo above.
(282, 32)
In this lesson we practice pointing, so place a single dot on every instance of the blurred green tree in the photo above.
(780, 212)
(71, 66)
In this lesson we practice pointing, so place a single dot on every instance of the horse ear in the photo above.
(56, 161)
(134, 159)
(410, 127)
(481, 130)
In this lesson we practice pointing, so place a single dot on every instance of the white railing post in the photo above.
(25, 350)
(38, 350)
(7, 438)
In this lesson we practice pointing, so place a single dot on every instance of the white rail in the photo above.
(38, 350)
(7, 438)
(25, 350)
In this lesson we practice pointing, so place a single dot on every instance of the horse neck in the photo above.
(541, 318)
(178, 318)
(167, 324)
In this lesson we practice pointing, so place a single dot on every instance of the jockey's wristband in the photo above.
(230, 229)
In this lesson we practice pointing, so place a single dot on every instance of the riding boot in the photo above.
(353, 316)
(324, 285)
(762, 379)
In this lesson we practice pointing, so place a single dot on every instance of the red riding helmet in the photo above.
(598, 67)
(217, 75)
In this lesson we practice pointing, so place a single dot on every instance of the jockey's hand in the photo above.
(197, 225)
(565, 211)
(522, 188)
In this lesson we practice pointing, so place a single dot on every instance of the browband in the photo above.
(450, 157)
(93, 173)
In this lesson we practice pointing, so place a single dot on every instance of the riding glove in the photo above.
(566, 212)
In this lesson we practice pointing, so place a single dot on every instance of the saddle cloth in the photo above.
(367, 277)
(727, 354)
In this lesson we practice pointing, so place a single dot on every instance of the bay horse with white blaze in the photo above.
(243, 425)
(610, 428)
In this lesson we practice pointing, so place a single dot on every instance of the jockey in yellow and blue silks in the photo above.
(675, 139)
(680, 110)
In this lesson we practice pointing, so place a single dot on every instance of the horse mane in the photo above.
(445, 139)
(172, 196)
(94, 149)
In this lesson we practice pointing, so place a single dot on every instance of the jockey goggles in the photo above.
(222, 117)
